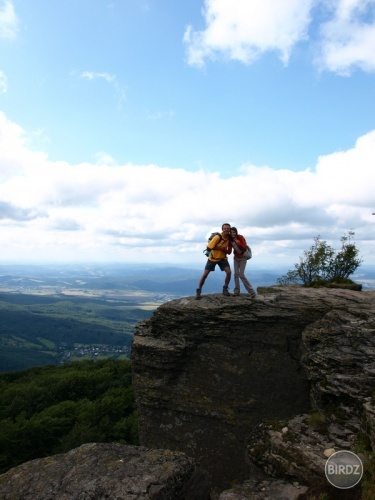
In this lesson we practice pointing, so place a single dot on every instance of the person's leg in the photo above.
(244, 280)
(206, 272)
(210, 266)
(228, 274)
(236, 265)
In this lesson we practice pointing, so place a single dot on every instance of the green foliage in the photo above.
(50, 410)
(54, 329)
(317, 420)
(321, 265)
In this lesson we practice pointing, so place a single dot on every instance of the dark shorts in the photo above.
(223, 263)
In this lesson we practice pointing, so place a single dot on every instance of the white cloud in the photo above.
(8, 20)
(106, 211)
(243, 30)
(90, 75)
(348, 39)
(15, 155)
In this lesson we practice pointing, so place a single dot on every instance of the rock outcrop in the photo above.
(339, 358)
(258, 393)
(107, 471)
(235, 382)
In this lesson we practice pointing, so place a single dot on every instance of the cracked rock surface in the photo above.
(106, 471)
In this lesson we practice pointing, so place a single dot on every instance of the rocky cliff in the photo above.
(256, 393)
(235, 382)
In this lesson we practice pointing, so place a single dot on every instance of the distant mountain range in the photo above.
(154, 279)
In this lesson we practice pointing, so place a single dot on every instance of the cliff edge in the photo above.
(209, 374)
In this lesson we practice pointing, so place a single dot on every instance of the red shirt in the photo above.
(241, 243)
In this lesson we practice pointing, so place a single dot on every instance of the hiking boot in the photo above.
(225, 291)
(198, 294)
(252, 295)
(236, 294)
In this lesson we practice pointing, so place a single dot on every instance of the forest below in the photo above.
(38, 330)
(53, 409)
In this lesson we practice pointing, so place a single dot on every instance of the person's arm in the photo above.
(241, 243)
(212, 244)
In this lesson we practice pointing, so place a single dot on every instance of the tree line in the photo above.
(48, 410)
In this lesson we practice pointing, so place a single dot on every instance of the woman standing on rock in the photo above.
(239, 263)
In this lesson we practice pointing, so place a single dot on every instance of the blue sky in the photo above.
(130, 129)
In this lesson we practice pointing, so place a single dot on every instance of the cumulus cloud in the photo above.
(16, 157)
(107, 211)
(8, 20)
(243, 30)
(348, 39)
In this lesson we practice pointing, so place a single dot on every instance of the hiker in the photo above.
(239, 263)
(220, 247)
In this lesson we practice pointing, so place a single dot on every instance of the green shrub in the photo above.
(321, 265)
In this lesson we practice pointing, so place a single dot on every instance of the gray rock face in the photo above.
(257, 392)
(208, 373)
(107, 471)
(370, 422)
(339, 355)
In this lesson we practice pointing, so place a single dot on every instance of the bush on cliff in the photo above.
(321, 265)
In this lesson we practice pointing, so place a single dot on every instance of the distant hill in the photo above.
(52, 314)
(39, 330)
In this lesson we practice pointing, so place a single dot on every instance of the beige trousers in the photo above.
(239, 266)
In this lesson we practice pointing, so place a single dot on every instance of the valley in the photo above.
(56, 314)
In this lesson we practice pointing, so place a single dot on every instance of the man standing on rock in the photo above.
(220, 247)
